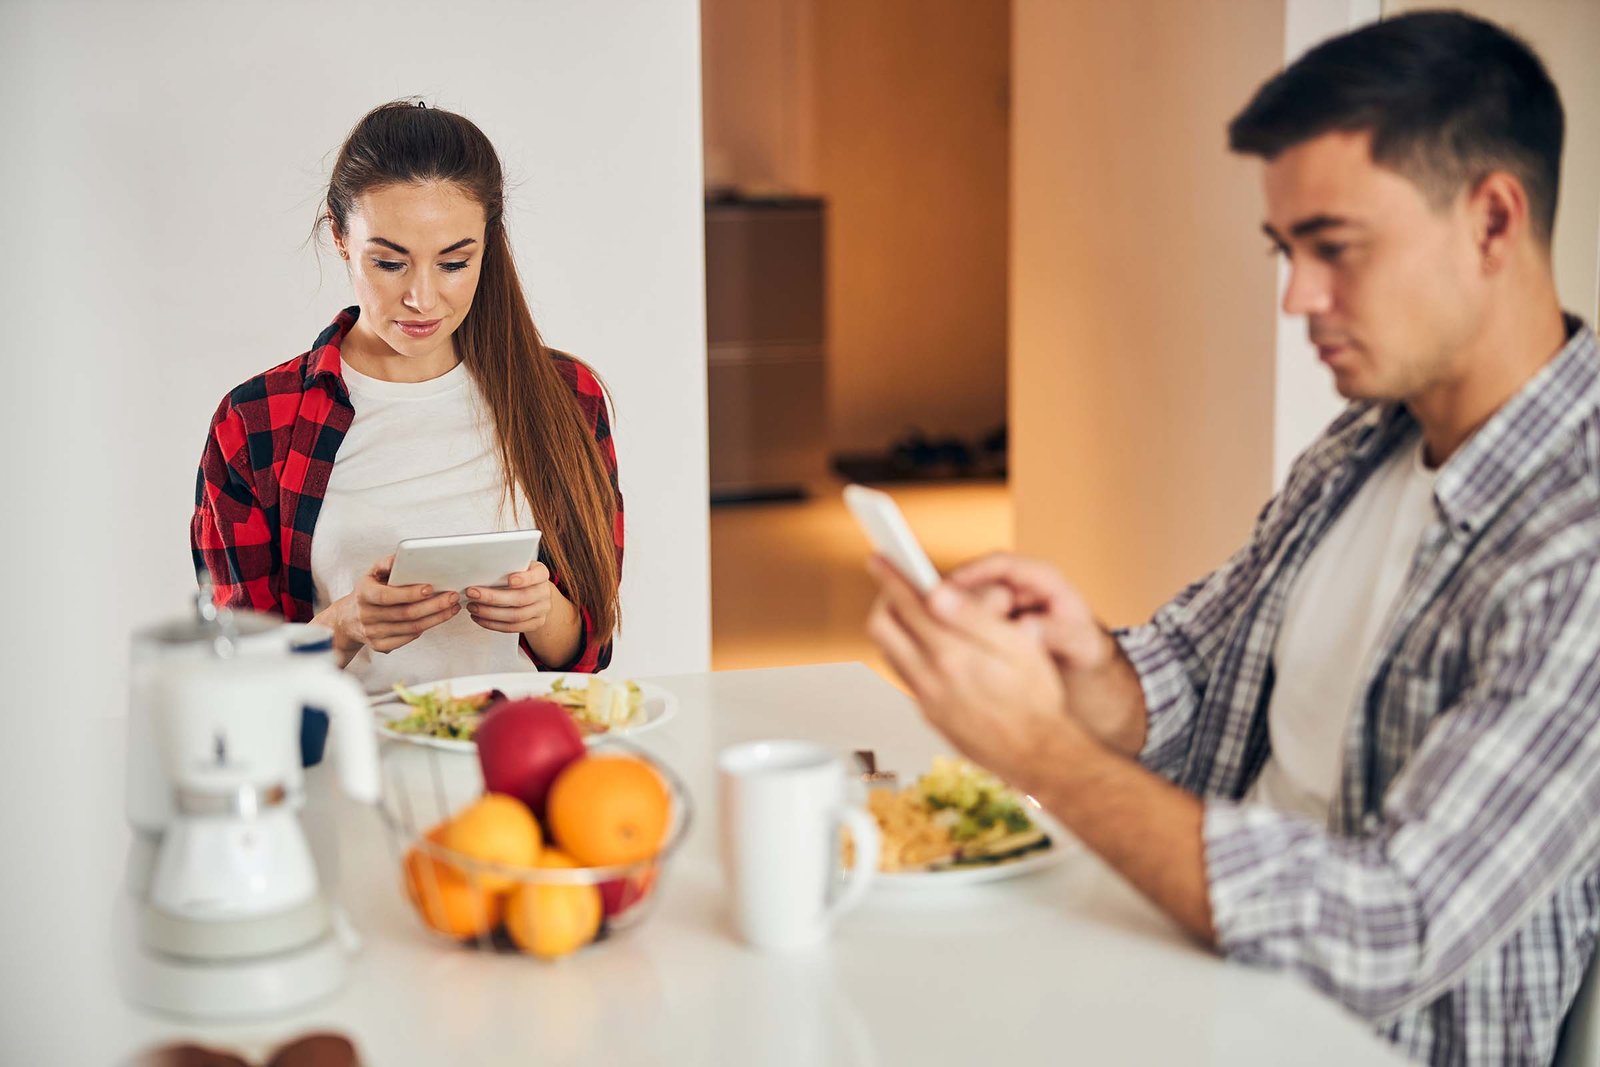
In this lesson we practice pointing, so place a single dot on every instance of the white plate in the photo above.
(1028, 863)
(659, 705)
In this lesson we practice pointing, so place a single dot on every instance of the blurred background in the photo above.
(991, 254)
(995, 257)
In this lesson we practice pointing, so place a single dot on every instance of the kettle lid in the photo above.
(219, 628)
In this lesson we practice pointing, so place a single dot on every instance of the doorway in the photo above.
(859, 152)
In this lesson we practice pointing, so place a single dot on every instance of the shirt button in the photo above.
(1369, 823)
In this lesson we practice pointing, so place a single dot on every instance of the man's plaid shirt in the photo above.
(265, 468)
(1453, 897)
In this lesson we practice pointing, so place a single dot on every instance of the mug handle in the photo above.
(864, 832)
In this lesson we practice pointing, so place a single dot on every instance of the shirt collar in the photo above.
(1520, 438)
(323, 359)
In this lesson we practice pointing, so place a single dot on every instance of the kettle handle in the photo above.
(354, 730)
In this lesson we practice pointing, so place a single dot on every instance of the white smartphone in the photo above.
(891, 535)
(463, 560)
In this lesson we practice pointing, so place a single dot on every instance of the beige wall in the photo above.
(1566, 34)
(895, 111)
(1142, 307)
(912, 155)
(756, 69)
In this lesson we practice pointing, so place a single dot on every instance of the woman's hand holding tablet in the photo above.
(382, 616)
(463, 560)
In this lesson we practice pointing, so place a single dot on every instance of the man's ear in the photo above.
(1498, 207)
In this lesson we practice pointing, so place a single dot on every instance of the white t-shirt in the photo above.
(1333, 619)
(420, 460)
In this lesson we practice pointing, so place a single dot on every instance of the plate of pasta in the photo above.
(960, 825)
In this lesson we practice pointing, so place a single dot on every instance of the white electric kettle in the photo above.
(226, 914)
(229, 734)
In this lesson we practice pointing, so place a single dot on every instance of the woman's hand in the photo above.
(384, 617)
(523, 606)
(530, 604)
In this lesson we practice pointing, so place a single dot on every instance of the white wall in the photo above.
(162, 166)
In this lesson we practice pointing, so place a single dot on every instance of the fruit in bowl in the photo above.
(618, 896)
(550, 921)
(523, 745)
(495, 829)
(610, 810)
(555, 884)
(446, 897)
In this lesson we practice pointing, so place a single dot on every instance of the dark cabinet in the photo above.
(766, 374)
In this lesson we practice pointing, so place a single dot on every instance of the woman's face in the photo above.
(414, 253)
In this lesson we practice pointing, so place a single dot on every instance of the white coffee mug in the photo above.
(783, 803)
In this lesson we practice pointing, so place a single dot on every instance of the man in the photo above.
(1367, 748)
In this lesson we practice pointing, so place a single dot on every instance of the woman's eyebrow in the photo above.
(404, 251)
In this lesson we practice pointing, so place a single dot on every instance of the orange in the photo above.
(496, 829)
(445, 897)
(609, 809)
(551, 921)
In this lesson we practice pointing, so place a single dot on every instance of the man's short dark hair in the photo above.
(1448, 99)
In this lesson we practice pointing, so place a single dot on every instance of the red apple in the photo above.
(621, 894)
(523, 745)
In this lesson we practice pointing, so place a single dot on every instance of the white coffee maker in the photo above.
(225, 915)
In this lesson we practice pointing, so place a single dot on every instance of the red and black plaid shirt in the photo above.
(265, 471)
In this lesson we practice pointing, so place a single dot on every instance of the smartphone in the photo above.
(891, 535)
(462, 560)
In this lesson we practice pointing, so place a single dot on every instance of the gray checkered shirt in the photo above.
(1453, 897)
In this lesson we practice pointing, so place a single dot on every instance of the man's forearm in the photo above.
(1147, 829)
(1108, 700)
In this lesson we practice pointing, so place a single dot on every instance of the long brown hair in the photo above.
(546, 446)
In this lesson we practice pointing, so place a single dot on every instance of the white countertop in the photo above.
(1065, 966)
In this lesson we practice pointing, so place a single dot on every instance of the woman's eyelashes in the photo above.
(392, 265)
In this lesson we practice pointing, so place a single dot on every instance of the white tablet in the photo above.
(891, 535)
(463, 560)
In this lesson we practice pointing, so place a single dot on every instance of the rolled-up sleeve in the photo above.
(1172, 676)
(1495, 808)
(1175, 653)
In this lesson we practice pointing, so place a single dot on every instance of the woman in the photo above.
(431, 407)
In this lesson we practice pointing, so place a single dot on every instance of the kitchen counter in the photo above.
(1068, 965)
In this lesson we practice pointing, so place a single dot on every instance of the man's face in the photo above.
(1389, 284)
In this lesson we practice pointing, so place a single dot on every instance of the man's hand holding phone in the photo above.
(990, 619)
(1031, 589)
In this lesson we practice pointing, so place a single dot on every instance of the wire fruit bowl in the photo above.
(547, 911)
